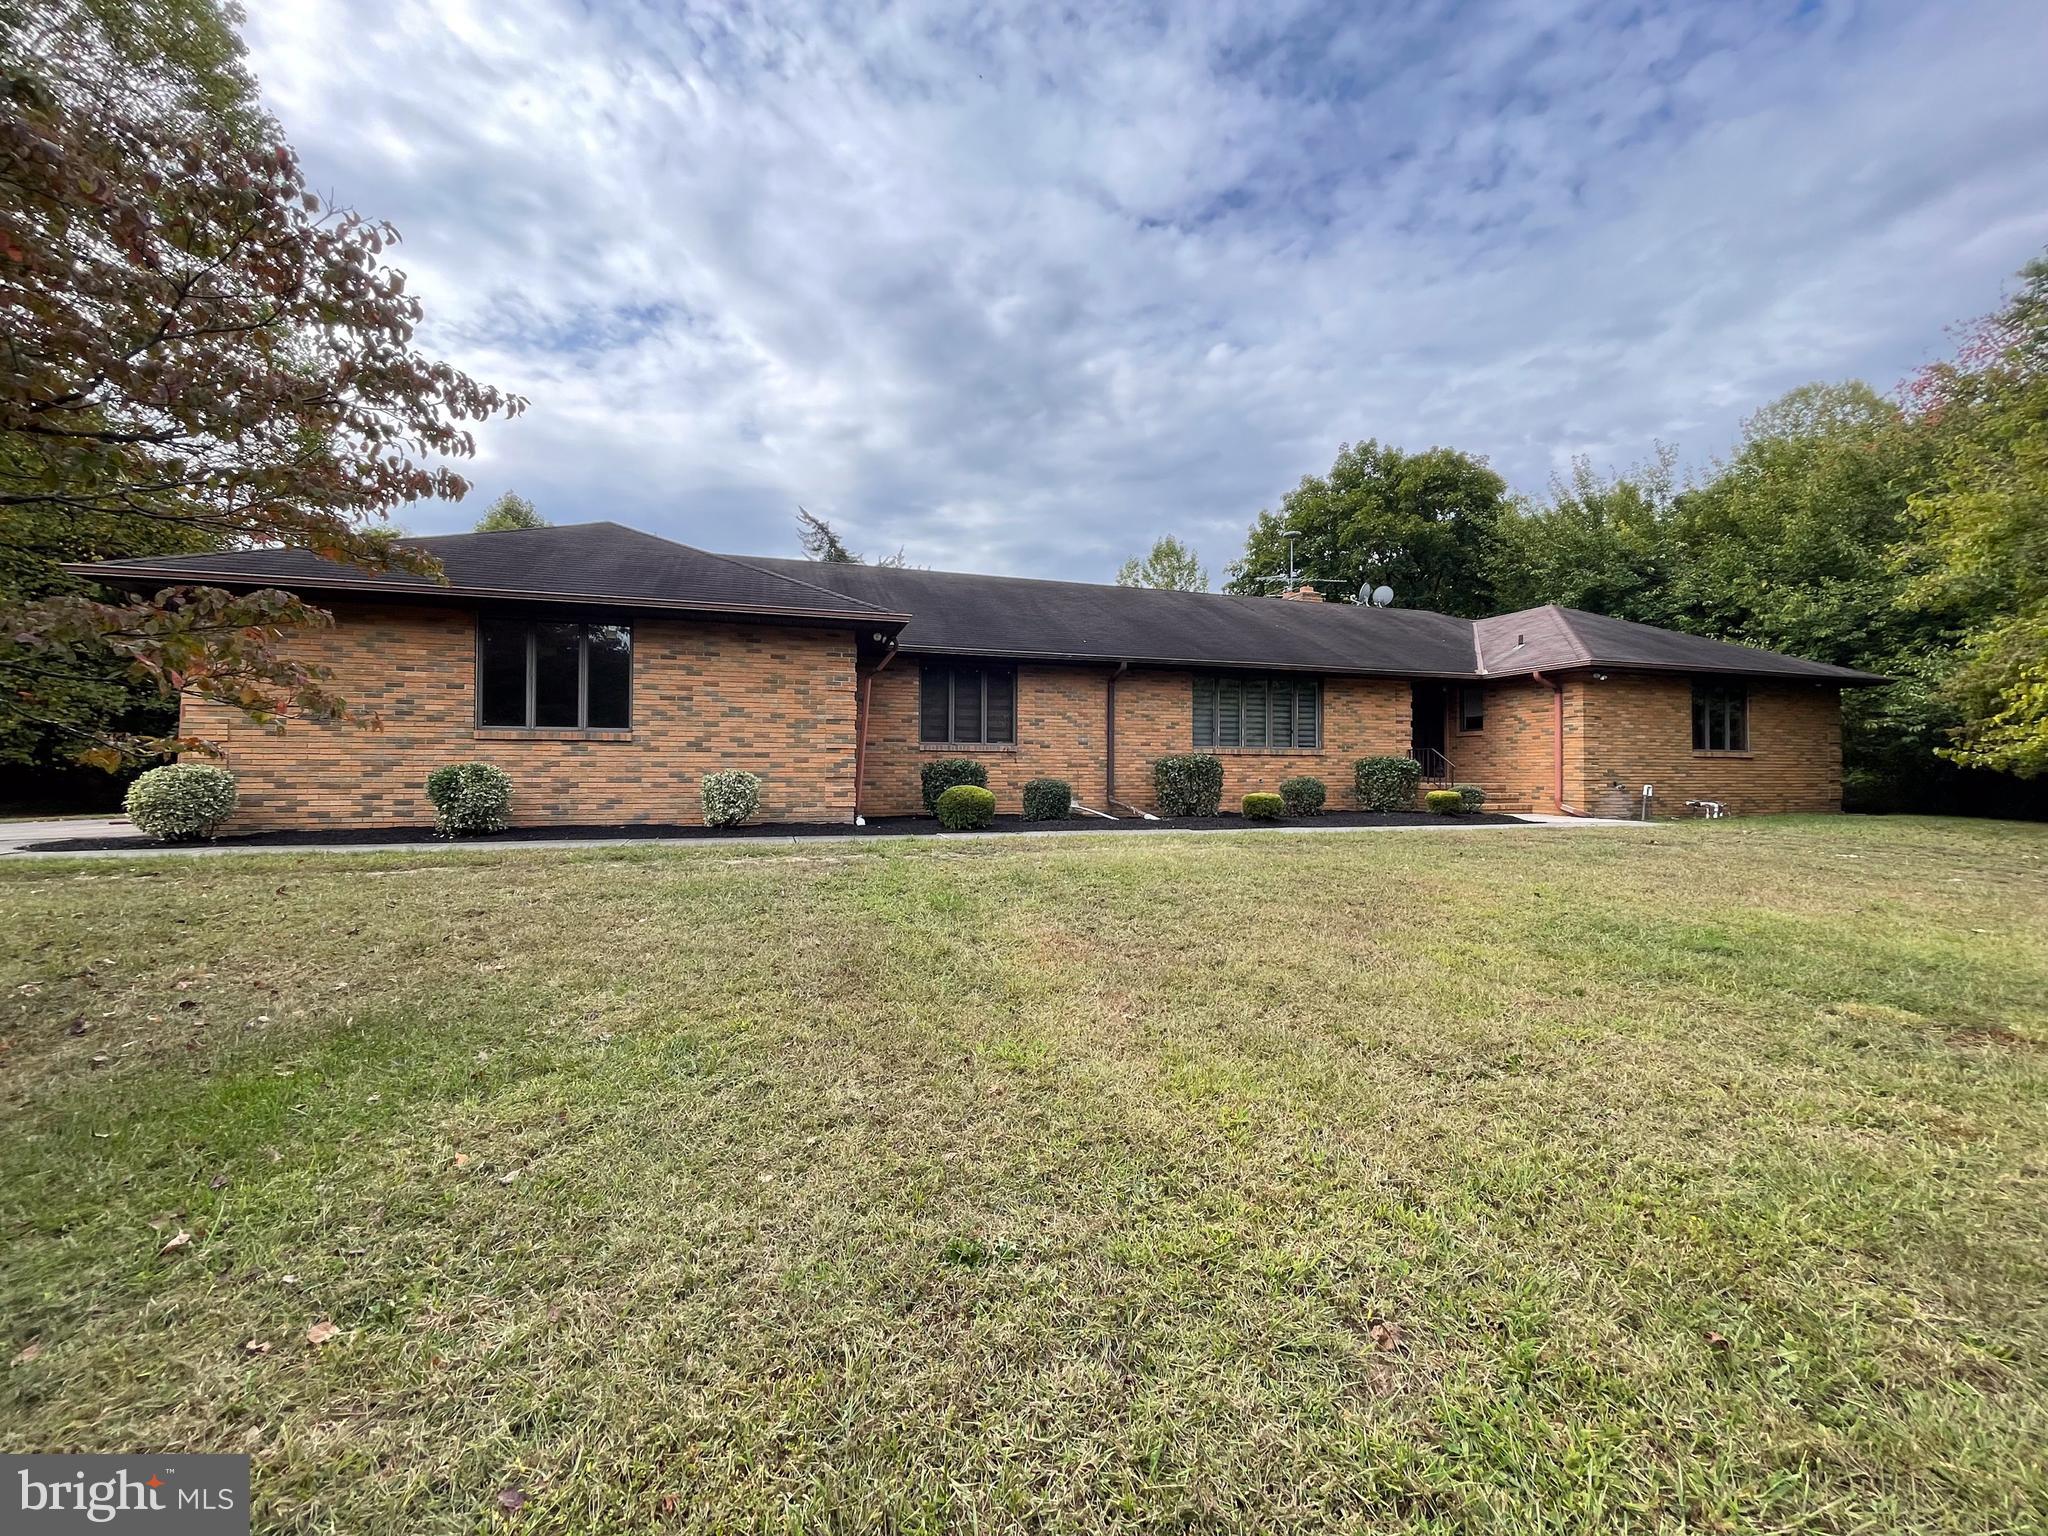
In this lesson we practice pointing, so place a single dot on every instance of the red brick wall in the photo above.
(1636, 729)
(1061, 724)
(705, 696)
(1513, 757)
(1362, 717)
(1061, 713)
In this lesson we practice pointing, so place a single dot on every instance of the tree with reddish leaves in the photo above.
(197, 355)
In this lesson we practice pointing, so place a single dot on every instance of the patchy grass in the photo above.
(1691, 1178)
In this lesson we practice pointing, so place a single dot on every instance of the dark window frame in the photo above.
(1242, 688)
(952, 671)
(1720, 707)
(1468, 694)
(530, 624)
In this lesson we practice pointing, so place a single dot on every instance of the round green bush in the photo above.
(942, 773)
(181, 802)
(966, 808)
(470, 798)
(1444, 802)
(1048, 800)
(729, 797)
(1387, 783)
(1304, 797)
(1264, 807)
(1188, 785)
(1473, 796)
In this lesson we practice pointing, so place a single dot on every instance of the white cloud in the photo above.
(1020, 289)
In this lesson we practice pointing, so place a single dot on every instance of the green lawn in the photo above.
(1678, 1178)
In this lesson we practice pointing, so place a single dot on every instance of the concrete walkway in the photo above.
(27, 838)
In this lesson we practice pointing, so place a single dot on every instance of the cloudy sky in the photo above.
(1019, 286)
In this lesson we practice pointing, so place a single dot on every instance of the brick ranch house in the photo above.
(606, 669)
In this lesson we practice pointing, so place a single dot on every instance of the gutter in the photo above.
(860, 731)
(1556, 686)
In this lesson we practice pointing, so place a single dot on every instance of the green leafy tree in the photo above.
(196, 354)
(1980, 529)
(1423, 523)
(1599, 542)
(508, 512)
(1171, 566)
(1789, 546)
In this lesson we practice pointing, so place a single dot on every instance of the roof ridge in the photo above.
(1564, 622)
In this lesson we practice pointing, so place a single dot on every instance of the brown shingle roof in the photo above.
(1554, 639)
(959, 613)
(576, 562)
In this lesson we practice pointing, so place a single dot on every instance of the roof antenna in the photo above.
(1294, 581)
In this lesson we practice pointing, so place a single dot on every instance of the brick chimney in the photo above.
(1302, 594)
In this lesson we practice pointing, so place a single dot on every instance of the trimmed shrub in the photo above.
(1188, 785)
(1473, 796)
(181, 802)
(1264, 807)
(1444, 802)
(1303, 797)
(966, 808)
(1387, 783)
(470, 798)
(730, 797)
(1048, 800)
(942, 773)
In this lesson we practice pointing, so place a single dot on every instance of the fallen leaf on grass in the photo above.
(511, 1500)
(462, 1159)
(218, 1181)
(509, 1177)
(181, 1239)
(28, 1352)
(1716, 1340)
(256, 1347)
(321, 1332)
(1386, 1336)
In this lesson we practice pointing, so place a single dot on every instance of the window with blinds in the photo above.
(1240, 710)
(967, 706)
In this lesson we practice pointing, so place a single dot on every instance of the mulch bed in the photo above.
(878, 826)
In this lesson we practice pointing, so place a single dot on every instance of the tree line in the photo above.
(1905, 535)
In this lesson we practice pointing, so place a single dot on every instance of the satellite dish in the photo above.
(1381, 596)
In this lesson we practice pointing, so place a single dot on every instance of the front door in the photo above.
(1430, 704)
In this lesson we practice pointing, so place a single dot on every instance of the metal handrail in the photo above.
(1434, 764)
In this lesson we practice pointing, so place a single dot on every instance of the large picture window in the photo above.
(1720, 717)
(1237, 709)
(547, 674)
(968, 705)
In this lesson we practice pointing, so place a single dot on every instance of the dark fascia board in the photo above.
(141, 575)
(1852, 679)
(1110, 659)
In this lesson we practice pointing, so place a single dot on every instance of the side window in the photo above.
(1720, 717)
(1471, 710)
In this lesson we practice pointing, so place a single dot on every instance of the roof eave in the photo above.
(159, 577)
(1111, 658)
(1845, 678)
